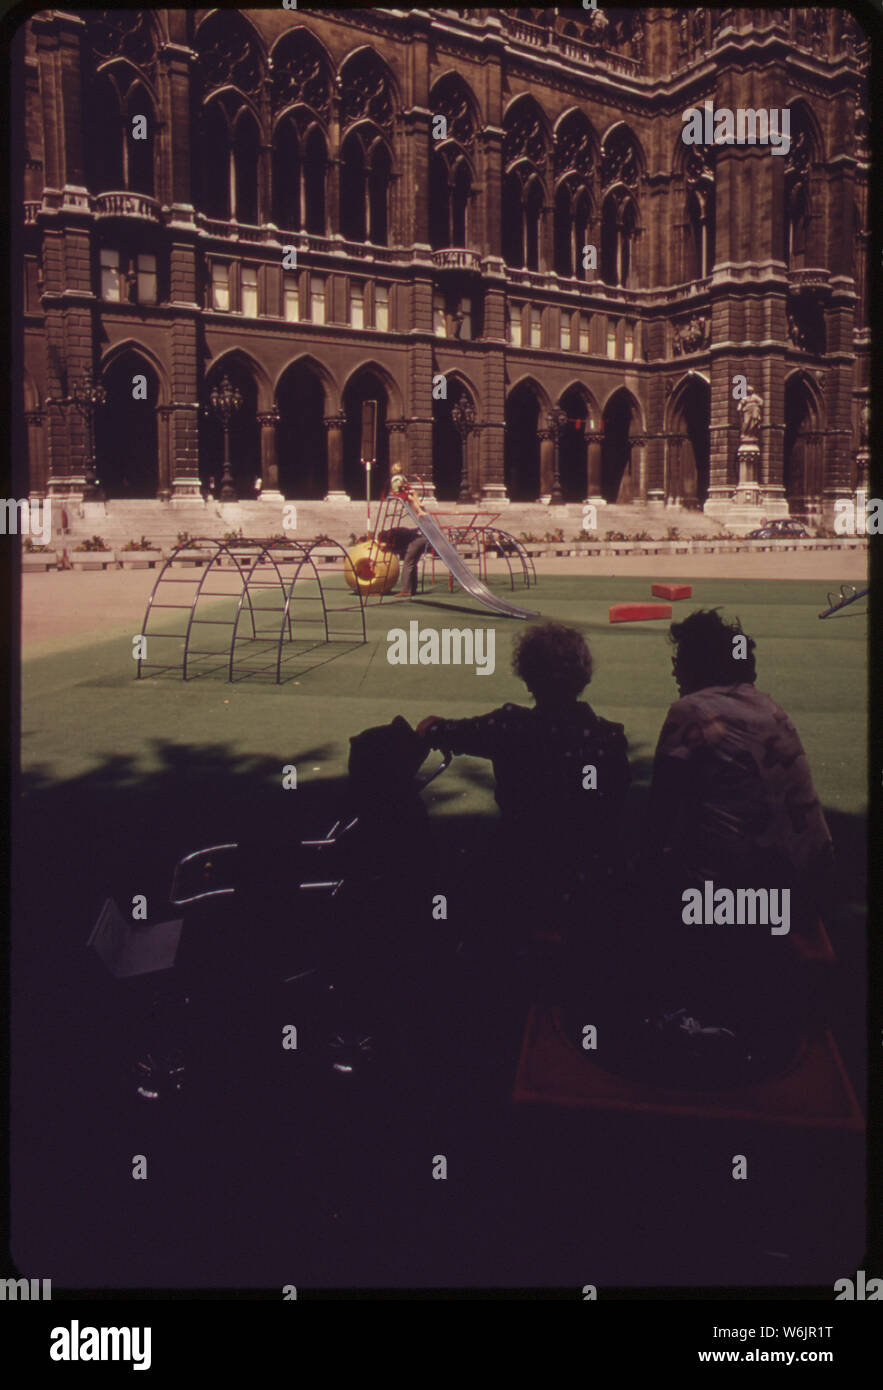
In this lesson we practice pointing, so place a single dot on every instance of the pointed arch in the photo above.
(527, 133)
(302, 74)
(237, 358)
(231, 54)
(622, 418)
(529, 381)
(592, 408)
(305, 395)
(126, 428)
(368, 89)
(307, 361)
(453, 97)
(527, 403)
(386, 378)
(447, 446)
(128, 346)
(803, 449)
(466, 384)
(688, 442)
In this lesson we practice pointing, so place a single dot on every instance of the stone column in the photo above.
(37, 479)
(268, 420)
(547, 464)
(593, 469)
(184, 451)
(164, 415)
(491, 462)
(334, 425)
(399, 452)
(638, 466)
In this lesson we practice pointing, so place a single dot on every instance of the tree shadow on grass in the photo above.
(117, 831)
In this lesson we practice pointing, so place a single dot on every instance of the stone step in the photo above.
(162, 522)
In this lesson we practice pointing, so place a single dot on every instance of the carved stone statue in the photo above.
(795, 332)
(864, 425)
(750, 410)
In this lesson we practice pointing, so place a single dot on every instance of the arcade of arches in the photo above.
(303, 439)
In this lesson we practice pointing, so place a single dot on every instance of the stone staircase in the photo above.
(162, 522)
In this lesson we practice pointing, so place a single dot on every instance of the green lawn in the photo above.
(83, 711)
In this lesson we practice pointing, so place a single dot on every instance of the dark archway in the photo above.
(689, 454)
(802, 467)
(522, 444)
(245, 433)
(616, 474)
(446, 450)
(572, 449)
(126, 431)
(302, 439)
(365, 386)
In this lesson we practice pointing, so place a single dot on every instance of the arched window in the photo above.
(314, 172)
(609, 241)
(231, 70)
(287, 176)
(353, 220)
(700, 207)
(572, 213)
(574, 156)
(367, 116)
(450, 175)
(802, 153)
(300, 95)
(525, 156)
(246, 146)
(460, 203)
(439, 201)
(378, 193)
(620, 167)
(106, 138)
(139, 151)
(513, 246)
(533, 211)
(215, 146)
(619, 221)
(230, 169)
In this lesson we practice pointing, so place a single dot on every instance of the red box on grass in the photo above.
(672, 591)
(636, 612)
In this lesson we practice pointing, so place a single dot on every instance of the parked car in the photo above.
(781, 529)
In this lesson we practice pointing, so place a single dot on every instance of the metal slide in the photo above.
(450, 556)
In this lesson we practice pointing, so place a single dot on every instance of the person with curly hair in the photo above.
(732, 791)
(732, 803)
(561, 770)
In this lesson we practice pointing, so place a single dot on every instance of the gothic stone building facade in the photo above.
(270, 197)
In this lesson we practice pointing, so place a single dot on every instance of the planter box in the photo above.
(139, 559)
(192, 557)
(37, 561)
(92, 559)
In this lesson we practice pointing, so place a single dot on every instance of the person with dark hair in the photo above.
(732, 807)
(732, 790)
(561, 773)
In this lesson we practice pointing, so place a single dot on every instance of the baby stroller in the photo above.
(331, 936)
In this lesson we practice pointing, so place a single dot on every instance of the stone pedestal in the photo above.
(496, 493)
